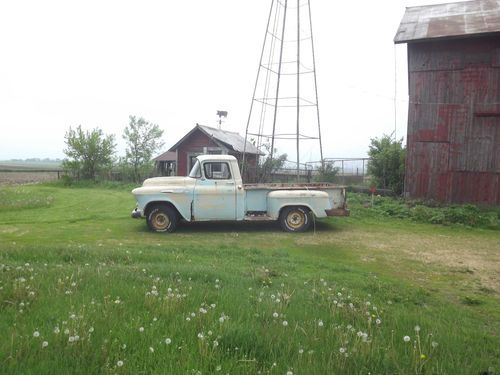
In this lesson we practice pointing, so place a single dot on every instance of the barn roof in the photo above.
(451, 20)
(230, 140)
(166, 156)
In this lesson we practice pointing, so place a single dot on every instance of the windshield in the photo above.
(196, 170)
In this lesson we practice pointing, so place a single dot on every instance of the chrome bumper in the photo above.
(136, 214)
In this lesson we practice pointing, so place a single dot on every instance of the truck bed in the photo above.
(293, 186)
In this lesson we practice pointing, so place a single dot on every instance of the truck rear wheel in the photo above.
(162, 218)
(295, 219)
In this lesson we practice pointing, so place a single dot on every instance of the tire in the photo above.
(162, 219)
(295, 219)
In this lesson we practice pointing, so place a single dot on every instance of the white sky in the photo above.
(175, 63)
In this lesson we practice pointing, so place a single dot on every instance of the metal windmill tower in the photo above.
(284, 112)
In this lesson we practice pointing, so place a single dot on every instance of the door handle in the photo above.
(230, 183)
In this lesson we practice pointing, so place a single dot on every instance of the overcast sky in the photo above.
(175, 63)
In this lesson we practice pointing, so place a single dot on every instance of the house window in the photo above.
(217, 170)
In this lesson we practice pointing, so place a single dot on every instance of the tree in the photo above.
(143, 140)
(327, 172)
(387, 164)
(88, 152)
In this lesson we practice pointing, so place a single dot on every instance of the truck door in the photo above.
(215, 193)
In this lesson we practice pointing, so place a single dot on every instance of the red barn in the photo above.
(454, 101)
(206, 140)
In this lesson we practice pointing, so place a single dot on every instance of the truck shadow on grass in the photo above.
(246, 227)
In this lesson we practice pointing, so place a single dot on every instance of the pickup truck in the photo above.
(214, 191)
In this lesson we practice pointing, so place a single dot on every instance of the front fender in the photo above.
(181, 202)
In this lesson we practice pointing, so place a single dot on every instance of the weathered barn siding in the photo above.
(454, 120)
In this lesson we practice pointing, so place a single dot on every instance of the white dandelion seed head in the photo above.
(378, 321)
(289, 373)
(168, 341)
(301, 351)
(119, 363)
(434, 344)
(285, 323)
(36, 334)
(141, 329)
(342, 350)
(320, 323)
(417, 328)
(57, 330)
(275, 314)
(71, 339)
(45, 344)
(151, 349)
(406, 339)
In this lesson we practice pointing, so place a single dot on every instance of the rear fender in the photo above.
(316, 201)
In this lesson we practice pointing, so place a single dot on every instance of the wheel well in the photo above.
(289, 206)
(151, 205)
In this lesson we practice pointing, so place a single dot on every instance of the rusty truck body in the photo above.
(214, 191)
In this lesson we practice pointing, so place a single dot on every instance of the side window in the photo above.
(217, 170)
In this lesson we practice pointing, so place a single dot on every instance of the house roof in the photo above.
(451, 20)
(166, 156)
(230, 140)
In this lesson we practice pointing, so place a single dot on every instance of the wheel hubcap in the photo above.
(161, 221)
(295, 219)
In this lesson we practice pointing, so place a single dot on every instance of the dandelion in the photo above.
(434, 344)
(201, 336)
(45, 344)
(275, 314)
(285, 323)
(57, 330)
(378, 321)
(216, 343)
(417, 329)
(289, 373)
(406, 339)
(218, 368)
(91, 329)
(36, 334)
(119, 363)
(66, 331)
(320, 323)
(301, 351)
(168, 341)
(71, 339)
(151, 349)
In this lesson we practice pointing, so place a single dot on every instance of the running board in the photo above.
(258, 218)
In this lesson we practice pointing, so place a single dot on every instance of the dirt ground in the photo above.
(13, 178)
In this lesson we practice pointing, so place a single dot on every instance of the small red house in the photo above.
(206, 140)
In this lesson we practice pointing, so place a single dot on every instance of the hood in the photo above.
(165, 185)
(167, 181)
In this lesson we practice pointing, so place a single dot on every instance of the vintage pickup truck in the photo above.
(214, 191)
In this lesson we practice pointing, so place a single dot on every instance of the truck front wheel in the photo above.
(162, 219)
(295, 219)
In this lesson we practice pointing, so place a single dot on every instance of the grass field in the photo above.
(85, 289)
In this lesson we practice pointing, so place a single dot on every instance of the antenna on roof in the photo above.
(221, 114)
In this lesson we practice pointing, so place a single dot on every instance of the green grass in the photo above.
(75, 269)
